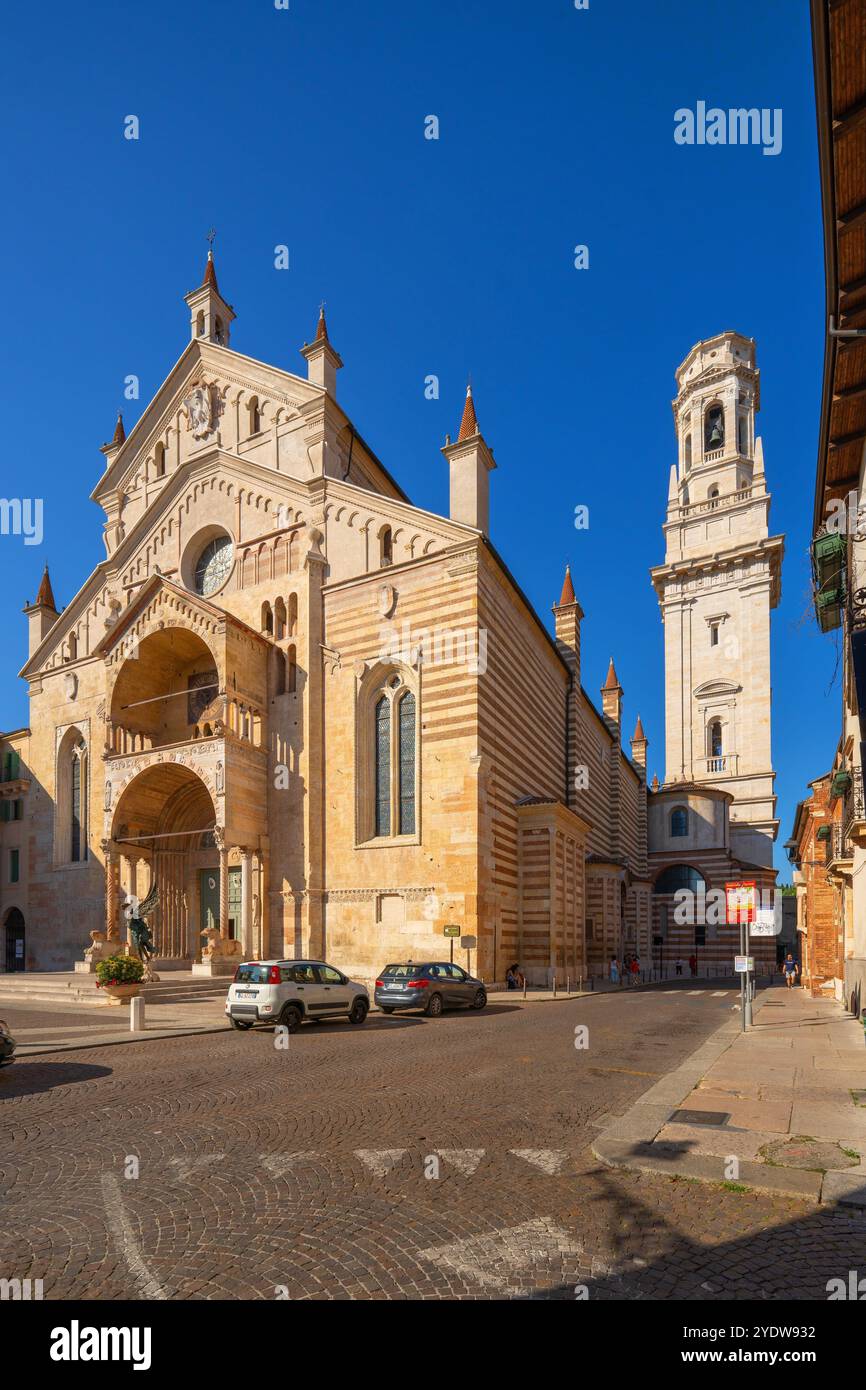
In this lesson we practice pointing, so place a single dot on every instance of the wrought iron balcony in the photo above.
(854, 806)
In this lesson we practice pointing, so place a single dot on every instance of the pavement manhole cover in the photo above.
(699, 1117)
(818, 1155)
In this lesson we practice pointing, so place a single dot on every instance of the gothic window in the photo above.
(383, 766)
(688, 450)
(714, 739)
(742, 445)
(714, 429)
(219, 334)
(281, 673)
(71, 800)
(407, 764)
(388, 730)
(279, 619)
(679, 821)
(386, 547)
(267, 619)
(199, 323)
(214, 566)
(292, 618)
(159, 459)
(255, 416)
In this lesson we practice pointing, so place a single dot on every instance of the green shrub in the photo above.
(119, 970)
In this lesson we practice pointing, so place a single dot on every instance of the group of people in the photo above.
(628, 973)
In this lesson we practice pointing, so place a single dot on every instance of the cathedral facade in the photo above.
(286, 696)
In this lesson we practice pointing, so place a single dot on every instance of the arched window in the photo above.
(742, 445)
(255, 415)
(679, 821)
(267, 619)
(383, 766)
(292, 619)
(73, 646)
(714, 739)
(280, 658)
(388, 730)
(406, 772)
(713, 492)
(159, 460)
(679, 876)
(714, 429)
(199, 323)
(291, 671)
(279, 620)
(688, 450)
(386, 547)
(71, 800)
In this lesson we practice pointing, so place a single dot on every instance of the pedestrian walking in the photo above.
(791, 969)
(693, 965)
(635, 971)
(679, 967)
(614, 970)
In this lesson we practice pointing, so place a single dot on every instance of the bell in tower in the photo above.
(714, 429)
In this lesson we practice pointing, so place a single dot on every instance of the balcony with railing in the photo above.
(854, 807)
(838, 848)
(718, 765)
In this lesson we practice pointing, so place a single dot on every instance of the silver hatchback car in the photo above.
(289, 991)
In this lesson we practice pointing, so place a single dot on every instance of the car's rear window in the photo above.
(407, 972)
(252, 975)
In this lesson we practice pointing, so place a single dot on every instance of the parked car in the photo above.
(7, 1045)
(431, 986)
(289, 991)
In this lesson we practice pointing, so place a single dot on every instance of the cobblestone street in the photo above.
(410, 1158)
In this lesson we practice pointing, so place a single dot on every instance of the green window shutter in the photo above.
(13, 866)
(5, 807)
(14, 765)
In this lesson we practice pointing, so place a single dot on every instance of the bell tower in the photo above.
(720, 579)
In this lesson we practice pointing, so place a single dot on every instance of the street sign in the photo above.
(450, 931)
(765, 923)
(468, 943)
(744, 965)
(740, 902)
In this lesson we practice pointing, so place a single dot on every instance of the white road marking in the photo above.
(548, 1160)
(509, 1250)
(380, 1161)
(278, 1164)
(124, 1239)
(464, 1160)
(720, 993)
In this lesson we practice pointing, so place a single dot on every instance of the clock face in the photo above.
(214, 565)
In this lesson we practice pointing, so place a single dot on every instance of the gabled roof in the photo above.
(146, 593)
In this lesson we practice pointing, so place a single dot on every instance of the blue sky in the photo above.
(305, 127)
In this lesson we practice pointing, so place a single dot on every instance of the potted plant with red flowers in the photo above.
(120, 977)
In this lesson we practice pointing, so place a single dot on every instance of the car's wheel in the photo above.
(386, 1009)
(291, 1018)
(434, 1006)
(358, 1011)
(480, 999)
(242, 1024)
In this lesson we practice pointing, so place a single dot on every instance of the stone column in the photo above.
(111, 928)
(224, 885)
(246, 904)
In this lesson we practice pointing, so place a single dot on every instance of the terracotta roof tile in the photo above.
(45, 597)
(567, 595)
(611, 683)
(469, 423)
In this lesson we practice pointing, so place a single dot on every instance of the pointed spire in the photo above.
(469, 423)
(210, 272)
(567, 595)
(638, 736)
(119, 436)
(45, 596)
(758, 470)
(655, 782)
(322, 327)
(673, 494)
(612, 682)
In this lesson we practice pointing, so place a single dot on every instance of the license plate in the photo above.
(246, 993)
(393, 986)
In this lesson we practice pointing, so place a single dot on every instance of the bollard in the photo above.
(524, 986)
(136, 1014)
(568, 984)
(554, 984)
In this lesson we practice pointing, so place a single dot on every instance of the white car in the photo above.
(288, 991)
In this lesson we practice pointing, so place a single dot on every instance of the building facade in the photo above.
(286, 698)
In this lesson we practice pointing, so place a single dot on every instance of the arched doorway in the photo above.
(15, 950)
(163, 831)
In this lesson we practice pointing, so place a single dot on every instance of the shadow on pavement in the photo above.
(27, 1077)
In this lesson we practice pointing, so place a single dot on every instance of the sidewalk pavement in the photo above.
(785, 1106)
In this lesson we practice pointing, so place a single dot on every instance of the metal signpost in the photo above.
(451, 932)
(740, 899)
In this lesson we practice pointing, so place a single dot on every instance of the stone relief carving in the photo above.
(200, 410)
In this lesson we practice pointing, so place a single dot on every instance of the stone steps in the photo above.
(69, 990)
